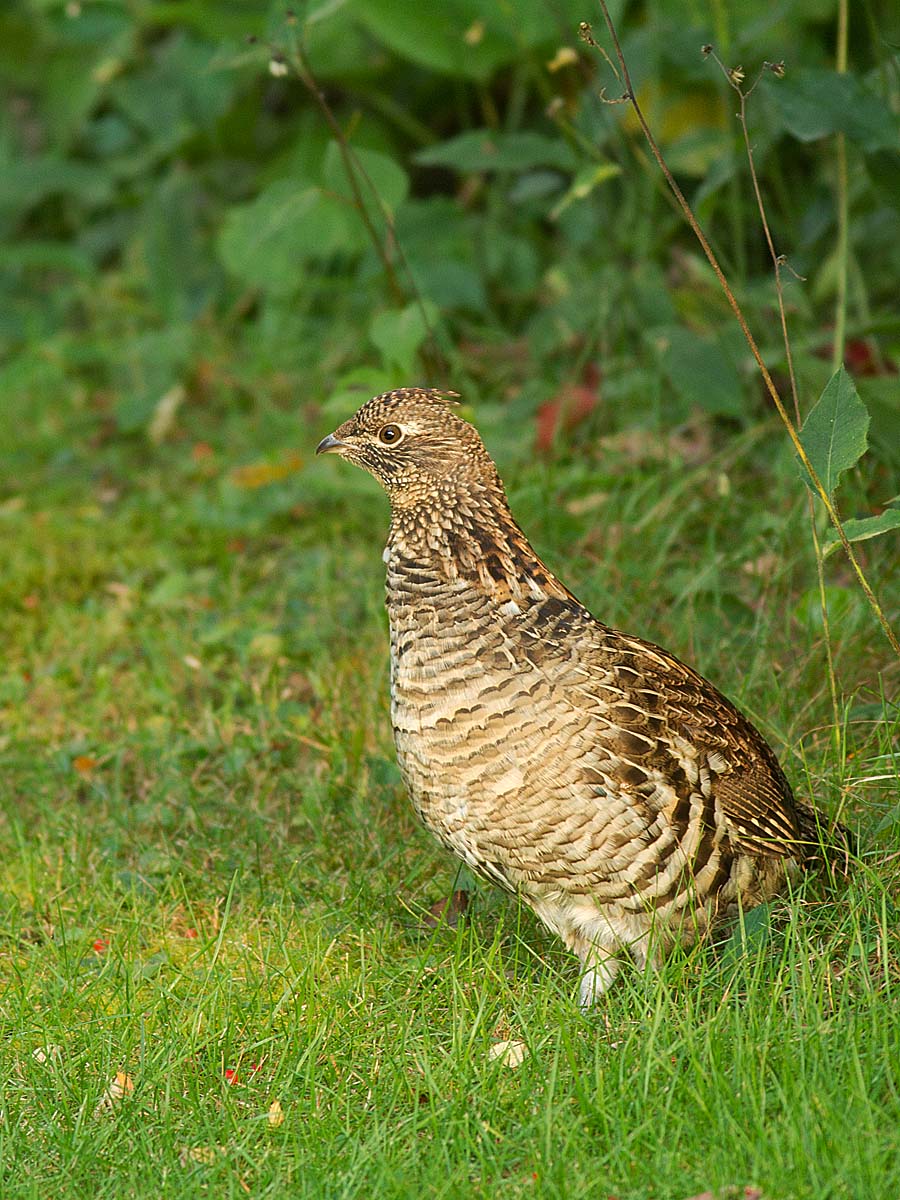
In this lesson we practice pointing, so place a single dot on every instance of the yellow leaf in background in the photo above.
(107, 70)
(564, 57)
(265, 645)
(693, 121)
(164, 414)
(121, 1085)
(474, 34)
(121, 592)
(257, 475)
(275, 1115)
(84, 764)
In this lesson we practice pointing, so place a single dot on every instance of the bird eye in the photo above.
(390, 435)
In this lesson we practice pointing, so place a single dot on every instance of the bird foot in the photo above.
(597, 980)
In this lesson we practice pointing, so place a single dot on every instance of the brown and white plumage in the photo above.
(612, 788)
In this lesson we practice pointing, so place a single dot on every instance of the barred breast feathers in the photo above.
(619, 793)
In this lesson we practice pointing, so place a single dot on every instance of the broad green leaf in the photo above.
(439, 240)
(751, 934)
(373, 171)
(883, 167)
(452, 37)
(397, 335)
(584, 184)
(860, 530)
(470, 39)
(834, 435)
(291, 222)
(29, 181)
(816, 103)
(700, 371)
(182, 88)
(450, 283)
(353, 388)
(45, 255)
(266, 243)
(487, 150)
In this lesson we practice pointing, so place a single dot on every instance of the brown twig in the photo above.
(629, 95)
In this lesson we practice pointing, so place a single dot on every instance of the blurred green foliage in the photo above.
(176, 210)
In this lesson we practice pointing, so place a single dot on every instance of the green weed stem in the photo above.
(840, 305)
(778, 262)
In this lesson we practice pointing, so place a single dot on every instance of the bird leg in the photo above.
(601, 963)
(600, 970)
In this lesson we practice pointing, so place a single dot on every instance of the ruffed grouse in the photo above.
(611, 787)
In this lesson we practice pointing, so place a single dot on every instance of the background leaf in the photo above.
(700, 370)
(398, 335)
(816, 103)
(863, 528)
(268, 242)
(490, 150)
(834, 435)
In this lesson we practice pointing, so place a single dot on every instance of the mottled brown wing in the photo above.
(748, 784)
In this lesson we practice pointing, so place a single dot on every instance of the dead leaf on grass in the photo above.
(47, 1054)
(121, 1086)
(447, 911)
(511, 1054)
(205, 1155)
(257, 475)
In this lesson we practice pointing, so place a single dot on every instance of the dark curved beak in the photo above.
(330, 445)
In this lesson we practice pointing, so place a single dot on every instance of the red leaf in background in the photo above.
(571, 404)
(860, 358)
(100, 945)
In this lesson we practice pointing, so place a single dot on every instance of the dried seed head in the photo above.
(586, 33)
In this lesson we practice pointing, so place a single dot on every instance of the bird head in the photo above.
(412, 442)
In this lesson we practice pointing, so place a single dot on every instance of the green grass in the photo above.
(213, 882)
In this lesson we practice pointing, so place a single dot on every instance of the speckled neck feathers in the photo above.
(465, 532)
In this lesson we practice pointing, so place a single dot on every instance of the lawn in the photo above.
(231, 962)
(216, 893)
